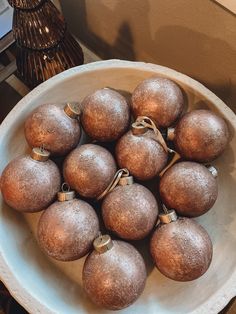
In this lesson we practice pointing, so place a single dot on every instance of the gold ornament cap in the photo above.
(72, 110)
(103, 243)
(126, 181)
(168, 216)
(138, 129)
(39, 154)
(65, 194)
(212, 170)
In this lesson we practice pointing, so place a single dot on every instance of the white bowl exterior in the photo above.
(46, 286)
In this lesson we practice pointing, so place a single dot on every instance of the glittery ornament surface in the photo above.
(130, 211)
(105, 115)
(67, 229)
(28, 185)
(159, 99)
(181, 250)
(189, 188)
(89, 169)
(201, 135)
(142, 155)
(50, 126)
(116, 278)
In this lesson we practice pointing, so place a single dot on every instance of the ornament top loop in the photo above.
(138, 128)
(66, 194)
(119, 174)
(142, 120)
(168, 216)
(102, 243)
(148, 123)
(212, 170)
(65, 187)
(72, 110)
(39, 154)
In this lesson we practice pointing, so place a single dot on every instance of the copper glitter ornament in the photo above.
(159, 99)
(181, 248)
(189, 188)
(141, 152)
(130, 210)
(67, 228)
(200, 135)
(55, 127)
(89, 169)
(105, 115)
(114, 274)
(30, 183)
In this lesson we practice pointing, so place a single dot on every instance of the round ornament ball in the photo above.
(140, 152)
(114, 274)
(30, 183)
(105, 115)
(189, 188)
(200, 135)
(130, 210)
(67, 228)
(181, 248)
(89, 169)
(158, 98)
(54, 127)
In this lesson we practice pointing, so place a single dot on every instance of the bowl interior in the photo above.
(43, 285)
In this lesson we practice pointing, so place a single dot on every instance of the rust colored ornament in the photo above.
(200, 135)
(159, 99)
(67, 228)
(141, 152)
(114, 274)
(129, 210)
(181, 248)
(189, 188)
(30, 183)
(105, 115)
(89, 169)
(55, 127)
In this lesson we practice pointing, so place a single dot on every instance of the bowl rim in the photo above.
(29, 300)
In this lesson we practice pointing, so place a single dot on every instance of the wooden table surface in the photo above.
(89, 56)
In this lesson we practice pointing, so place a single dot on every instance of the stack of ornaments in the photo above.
(114, 272)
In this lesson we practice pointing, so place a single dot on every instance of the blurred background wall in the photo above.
(195, 37)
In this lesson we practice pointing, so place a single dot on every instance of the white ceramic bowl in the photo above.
(45, 286)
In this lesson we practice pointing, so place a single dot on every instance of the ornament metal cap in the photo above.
(212, 170)
(65, 194)
(170, 134)
(39, 154)
(138, 129)
(72, 110)
(126, 181)
(168, 216)
(103, 243)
